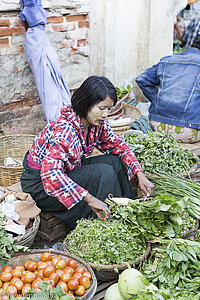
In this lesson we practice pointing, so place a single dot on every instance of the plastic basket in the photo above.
(14, 146)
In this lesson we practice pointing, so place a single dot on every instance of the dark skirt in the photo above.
(100, 175)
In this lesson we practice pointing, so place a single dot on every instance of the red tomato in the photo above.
(35, 283)
(48, 270)
(73, 284)
(13, 280)
(72, 263)
(26, 263)
(61, 264)
(18, 284)
(31, 266)
(26, 289)
(5, 285)
(40, 274)
(77, 276)
(5, 276)
(29, 277)
(19, 267)
(63, 286)
(7, 269)
(59, 272)
(65, 277)
(12, 290)
(55, 277)
(80, 270)
(85, 281)
(16, 273)
(55, 259)
(87, 274)
(46, 256)
(80, 291)
(68, 270)
(41, 265)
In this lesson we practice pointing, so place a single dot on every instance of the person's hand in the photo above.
(145, 185)
(99, 207)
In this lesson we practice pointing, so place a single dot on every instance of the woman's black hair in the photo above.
(196, 41)
(92, 91)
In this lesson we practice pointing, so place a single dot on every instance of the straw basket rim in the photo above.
(130, 111)
(28, 237)
(121, 266)
(13, 145)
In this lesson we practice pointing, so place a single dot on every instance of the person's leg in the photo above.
(116, 163)
(99, 179)
(43, 60)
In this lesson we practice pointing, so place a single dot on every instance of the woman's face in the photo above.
(99, 112)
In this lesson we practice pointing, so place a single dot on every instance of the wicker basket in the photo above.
(20, 257)
(14, 146)
(28, 237)
(107, 272)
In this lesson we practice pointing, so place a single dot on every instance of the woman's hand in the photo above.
(145, 185)
(99, 207)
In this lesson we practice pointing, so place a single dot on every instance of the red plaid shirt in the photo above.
(61, 146)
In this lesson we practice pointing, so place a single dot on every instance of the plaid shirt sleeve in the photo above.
(112, 143)
(56, 183)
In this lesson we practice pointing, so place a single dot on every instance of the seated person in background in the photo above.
(173, 88)
(58, 174)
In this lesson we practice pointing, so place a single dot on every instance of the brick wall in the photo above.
(20, 107)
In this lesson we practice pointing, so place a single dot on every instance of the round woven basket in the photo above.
(107, 272)
(14, 146)
(20, 258)
(28, 237)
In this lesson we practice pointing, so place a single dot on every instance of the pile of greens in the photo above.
(182, 189)
(104, 242)
(161, 153)
(7, 242)
(162, 216)
(175, 263)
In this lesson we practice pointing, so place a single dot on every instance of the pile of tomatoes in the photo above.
(73, 279)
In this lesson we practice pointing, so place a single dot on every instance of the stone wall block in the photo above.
(64, 27)
(4, 22)
(81, 33)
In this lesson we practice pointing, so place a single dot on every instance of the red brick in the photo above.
(81, 43)
(19, 104)
(5, 31)
(17, 23)
(74, 18)
(15, 69)
(82, 24)
(17, 30)
(54, 20)
(4, 41)
(4, 22)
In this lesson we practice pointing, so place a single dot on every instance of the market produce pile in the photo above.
(49, 277)
(160, 153)
(168, 221)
